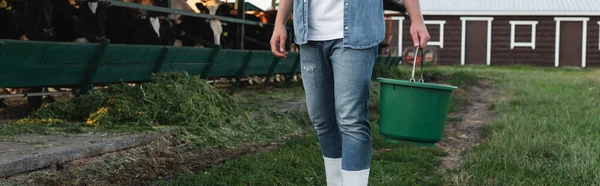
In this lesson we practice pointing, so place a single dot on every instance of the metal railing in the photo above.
(180, 12)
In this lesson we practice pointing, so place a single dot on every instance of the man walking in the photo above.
(338, 45)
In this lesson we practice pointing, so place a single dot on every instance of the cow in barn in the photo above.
(200, 32)
(153, 30)
(215, 24)
(93, 21)
(135, 26)
(193, 31)
(90, 23)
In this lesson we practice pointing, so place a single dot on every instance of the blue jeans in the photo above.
(336, 81)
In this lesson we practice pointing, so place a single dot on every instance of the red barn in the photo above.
(496, 32)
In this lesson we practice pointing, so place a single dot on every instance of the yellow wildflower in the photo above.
(94, 117)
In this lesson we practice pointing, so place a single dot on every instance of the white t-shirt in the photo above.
(325, 19)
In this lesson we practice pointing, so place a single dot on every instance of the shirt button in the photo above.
(346, 28)
(305, 1)
(346, 3)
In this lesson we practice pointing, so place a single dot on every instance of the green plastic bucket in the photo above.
(413, 111)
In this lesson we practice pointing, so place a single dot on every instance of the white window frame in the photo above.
(400, 20)
(531, 43)
(439, 43)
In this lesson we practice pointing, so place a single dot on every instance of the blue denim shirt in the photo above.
(364, 24)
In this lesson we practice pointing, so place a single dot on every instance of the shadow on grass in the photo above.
(300, 163)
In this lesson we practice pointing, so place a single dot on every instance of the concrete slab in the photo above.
(30, 152)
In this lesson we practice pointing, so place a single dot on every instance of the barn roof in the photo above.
(511, 7)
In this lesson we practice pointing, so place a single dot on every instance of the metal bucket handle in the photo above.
(417, 52)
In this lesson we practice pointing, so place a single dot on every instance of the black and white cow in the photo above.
(131, 26)
(200, 32)
(153, 29)
(91, 21)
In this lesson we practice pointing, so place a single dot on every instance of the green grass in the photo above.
(300, 162)
(546, 131)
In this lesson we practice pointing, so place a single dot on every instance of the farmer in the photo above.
(338, 45)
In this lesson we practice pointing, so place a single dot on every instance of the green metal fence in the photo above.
(81, 65)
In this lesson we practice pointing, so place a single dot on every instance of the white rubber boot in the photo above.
(355, 178)
(333, 168)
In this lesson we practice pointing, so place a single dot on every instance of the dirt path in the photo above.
(161, 159)
(467, 129)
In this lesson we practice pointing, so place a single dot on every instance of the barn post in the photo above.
(292, 71)
(288, 41)
(160, 60)
(271, 70)
(88, 76)
(241, 72)
(389, 60)
(210, 61)
(241, 9)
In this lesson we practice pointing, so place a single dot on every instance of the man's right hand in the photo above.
(278, 41)
(280, 33)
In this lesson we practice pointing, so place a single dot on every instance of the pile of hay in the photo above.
(186, 105)
(168, 99)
